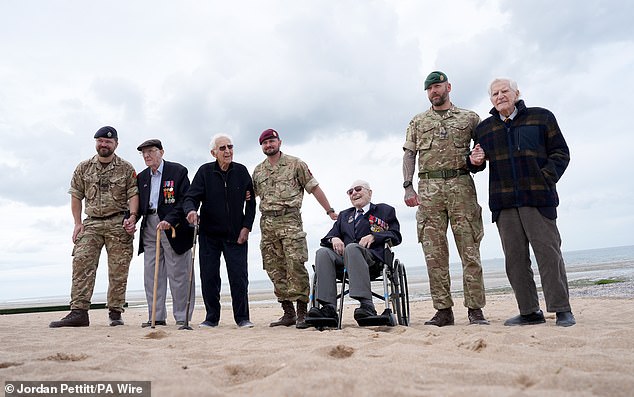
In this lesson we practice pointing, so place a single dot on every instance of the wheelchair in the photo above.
(393, 277)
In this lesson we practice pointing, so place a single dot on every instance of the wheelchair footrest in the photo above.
(321, 322)
(385, 318)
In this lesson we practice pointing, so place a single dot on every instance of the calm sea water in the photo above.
(593, 264)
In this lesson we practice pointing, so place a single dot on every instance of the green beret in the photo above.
(435, 77)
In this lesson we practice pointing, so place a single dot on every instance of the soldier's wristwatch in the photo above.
(407, 184)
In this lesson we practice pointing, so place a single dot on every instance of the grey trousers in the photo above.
(519, 228)
(358, 260)
(172, 267)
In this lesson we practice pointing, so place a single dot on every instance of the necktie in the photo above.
(357, 219)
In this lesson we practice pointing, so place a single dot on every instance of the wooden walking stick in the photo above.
(156, 272)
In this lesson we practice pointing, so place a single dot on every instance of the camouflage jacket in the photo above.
(106, 190)
(441, 142)
(282, 185)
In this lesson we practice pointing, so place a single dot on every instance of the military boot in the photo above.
(114, 318)
(288, 318)
(441, 318)
(76, 318)
(302, 308)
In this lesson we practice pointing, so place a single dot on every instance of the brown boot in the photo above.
(302, 308)
(477, 317)
(76, 318)
(288, 318)
(441, 318)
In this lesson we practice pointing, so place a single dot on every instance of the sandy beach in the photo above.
(593, 358)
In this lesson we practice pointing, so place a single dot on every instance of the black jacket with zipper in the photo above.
(225, 210)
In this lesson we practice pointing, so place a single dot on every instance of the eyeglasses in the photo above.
(354, 189)
(146, 152)
(225, 147)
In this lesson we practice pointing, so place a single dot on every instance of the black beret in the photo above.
(150, 143)
(106, 132)
(435, 77)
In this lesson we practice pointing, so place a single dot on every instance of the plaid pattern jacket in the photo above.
(527, 156)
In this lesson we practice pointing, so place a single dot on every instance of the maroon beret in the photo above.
(267, 134)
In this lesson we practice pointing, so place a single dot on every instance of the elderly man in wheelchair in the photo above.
(357, 243)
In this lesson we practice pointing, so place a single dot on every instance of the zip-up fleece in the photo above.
(527, 156)
(225, 210)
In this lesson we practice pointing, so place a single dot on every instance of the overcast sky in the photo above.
(339, 80)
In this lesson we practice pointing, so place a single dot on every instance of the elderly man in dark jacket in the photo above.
(357, 239)
(162, 186)
(527, 155)
(225, 190)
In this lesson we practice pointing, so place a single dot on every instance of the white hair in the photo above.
(214, 139)
(360, 182)
(512, 84)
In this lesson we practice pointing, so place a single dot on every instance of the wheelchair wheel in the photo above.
(405, 318)
(395, 293)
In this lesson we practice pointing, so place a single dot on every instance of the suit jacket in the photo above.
(174, 185)
(380, 221)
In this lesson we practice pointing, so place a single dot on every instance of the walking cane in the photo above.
(191, 281)
(156, 272)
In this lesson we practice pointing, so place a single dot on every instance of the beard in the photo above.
(105, 152)
(271, 151)
(440, 100)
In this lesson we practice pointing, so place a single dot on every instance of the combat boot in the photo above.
(115, 318)
(76, 318)
(441, 318)
(288, 318)
(477, 317)
(302, 308)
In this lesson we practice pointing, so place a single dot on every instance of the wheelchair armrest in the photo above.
(388, 255)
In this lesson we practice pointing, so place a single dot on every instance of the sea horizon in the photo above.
(590, 264)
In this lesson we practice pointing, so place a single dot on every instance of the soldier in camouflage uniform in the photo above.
(280, 181)
(108, 185)
(441, 137)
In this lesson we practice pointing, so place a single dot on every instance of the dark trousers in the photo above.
(519, 228)
(237, 270)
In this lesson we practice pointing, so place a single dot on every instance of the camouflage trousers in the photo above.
(86, 253)
(284, 252)
(452, 201)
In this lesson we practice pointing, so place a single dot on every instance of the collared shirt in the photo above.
(155, 185)
(365, 211)
(512, 116)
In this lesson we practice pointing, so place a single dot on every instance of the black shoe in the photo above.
(364, 311)
(115, 318)
(157, 322)
(477, 317)
(565, 319)
(441, 318)
(326, 311)
(526, 319)
(76, 318)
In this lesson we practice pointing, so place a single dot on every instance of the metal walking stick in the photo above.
(156, 272)
(191, 281)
